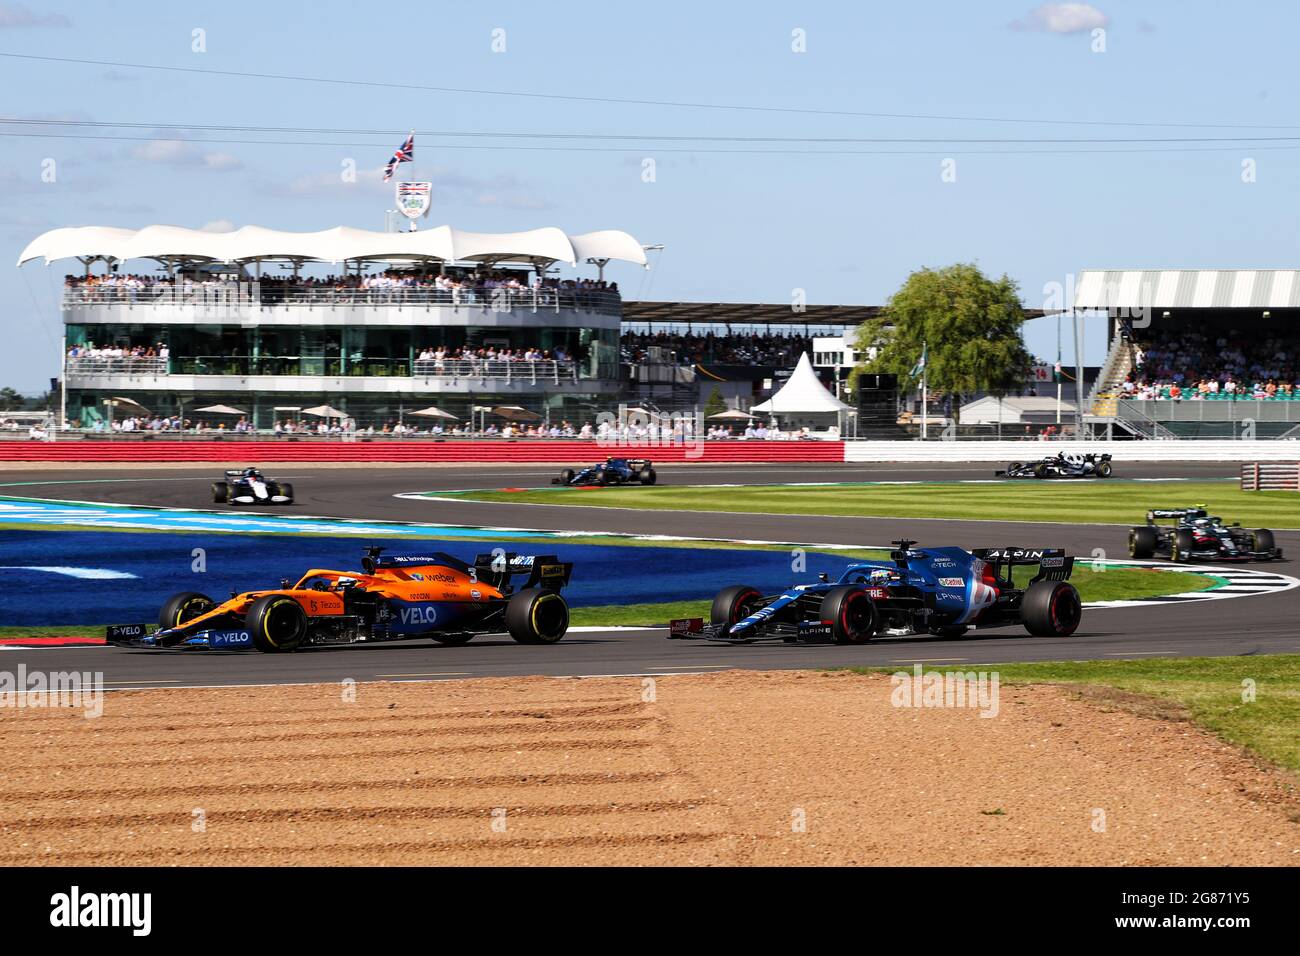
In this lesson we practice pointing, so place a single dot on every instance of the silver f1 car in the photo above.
(940, 591)
(248, 486)
(1193, 534)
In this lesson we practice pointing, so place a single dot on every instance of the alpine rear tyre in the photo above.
(1051, 609)
(852, 614)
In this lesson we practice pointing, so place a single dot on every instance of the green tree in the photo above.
(969, 324)
(715, 405)
(10, 399)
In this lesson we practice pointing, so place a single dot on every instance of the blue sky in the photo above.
(744, 226)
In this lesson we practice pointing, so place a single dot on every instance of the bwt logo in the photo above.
(76, 909)
(419, 615)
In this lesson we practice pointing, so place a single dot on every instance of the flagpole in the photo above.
(925, 392)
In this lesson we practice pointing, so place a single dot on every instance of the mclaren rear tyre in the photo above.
(1103, 470)
(277, 623)
(184, 607)
(1051, 609)
(648, 477)
(1182, 543)
(1142, 542)
(220, 493)
(1262, 540)
(537, 616)
(852, 614)
(734, 604)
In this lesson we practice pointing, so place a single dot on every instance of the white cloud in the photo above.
(218, 225)
(176, 152)
(1062, 18)
(15, 16)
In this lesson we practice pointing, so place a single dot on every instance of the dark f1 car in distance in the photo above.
(941, 591)
(402, 597)
(611, 471)
(248, 486)
(1193, 534)
(1060, 465)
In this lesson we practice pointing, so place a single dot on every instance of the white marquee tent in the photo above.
(803, 394)
(341, 243)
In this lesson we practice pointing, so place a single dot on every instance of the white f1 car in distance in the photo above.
(248, 486)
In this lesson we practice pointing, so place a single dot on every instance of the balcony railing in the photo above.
(96, 365)
(253, 295)
(244, 365)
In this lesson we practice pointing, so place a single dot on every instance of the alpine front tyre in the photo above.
(1051, 609)
(734, 604)
(852, 614)
(278, 624)
(537, 616)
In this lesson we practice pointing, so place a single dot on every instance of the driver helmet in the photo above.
(252, 473)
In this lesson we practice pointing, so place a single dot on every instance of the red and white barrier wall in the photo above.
(571, 452)
(93, 450)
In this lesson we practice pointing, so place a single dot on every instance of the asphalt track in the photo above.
(1263, 624)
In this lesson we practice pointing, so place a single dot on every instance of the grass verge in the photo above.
(1211, 691)
(1094, 502)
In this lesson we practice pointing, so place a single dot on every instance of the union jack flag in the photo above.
(405, 154)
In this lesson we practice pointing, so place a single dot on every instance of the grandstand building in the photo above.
(250, 320)
(1195, 353)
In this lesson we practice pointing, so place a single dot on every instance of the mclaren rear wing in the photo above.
(543, 570)
(1053, 563)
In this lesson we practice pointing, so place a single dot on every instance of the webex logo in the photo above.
(76, 909)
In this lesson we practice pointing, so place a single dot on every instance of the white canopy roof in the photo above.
(330, 245)
(804, 393)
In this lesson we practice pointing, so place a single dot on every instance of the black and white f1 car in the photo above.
(1193, 534)
(611, 471)
(248, 486)
(1060, 465)
(941, 591)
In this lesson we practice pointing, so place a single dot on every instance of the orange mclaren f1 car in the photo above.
(400, 597)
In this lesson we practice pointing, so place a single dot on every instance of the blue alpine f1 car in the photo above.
(941, 591)
(611, 471)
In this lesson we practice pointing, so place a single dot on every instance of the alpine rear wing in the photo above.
(1053, 563)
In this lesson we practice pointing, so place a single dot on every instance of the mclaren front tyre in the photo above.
(1051, 609)
(537, 616)
(183, 607)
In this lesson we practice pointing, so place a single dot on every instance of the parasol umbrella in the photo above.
(516, 413)
(732, 415)
(324, 411)
(434, 411)
(222, 410)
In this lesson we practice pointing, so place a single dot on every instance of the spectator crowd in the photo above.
(1200, 363)
(687, 348)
